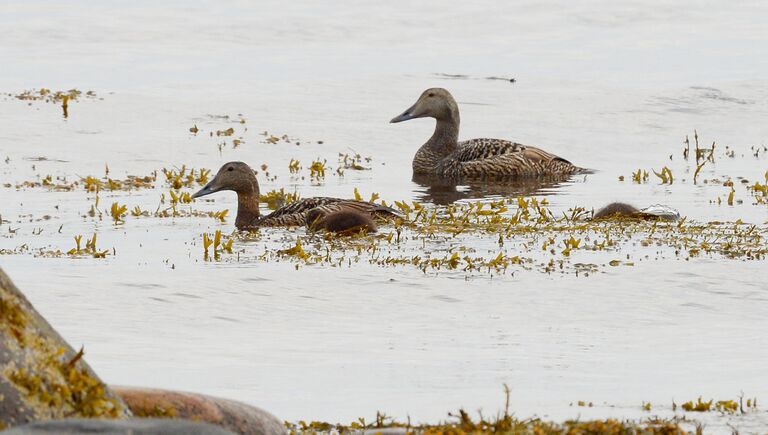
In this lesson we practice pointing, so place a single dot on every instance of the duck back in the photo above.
(484, 158)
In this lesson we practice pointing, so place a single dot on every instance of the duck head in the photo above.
(234, 176)
(435, 103)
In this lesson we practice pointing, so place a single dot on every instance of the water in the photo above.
(614, 87)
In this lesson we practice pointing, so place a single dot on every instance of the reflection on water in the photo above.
(443, 191)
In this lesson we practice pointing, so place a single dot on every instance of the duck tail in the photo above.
(559, 165)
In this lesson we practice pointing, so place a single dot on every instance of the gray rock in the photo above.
(43, 379)
(142, 426)
(388, 431)
(41, 376)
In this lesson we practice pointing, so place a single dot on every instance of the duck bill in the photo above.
(408, 114)
(207, 189)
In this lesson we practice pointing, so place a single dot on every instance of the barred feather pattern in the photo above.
(295, 213)
(492, 158)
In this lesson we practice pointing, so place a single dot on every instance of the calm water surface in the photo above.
(614, 87)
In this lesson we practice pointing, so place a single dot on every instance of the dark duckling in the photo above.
(240, 178)
(617, 210)
(342, 221)
(444, 156)
(622, 210)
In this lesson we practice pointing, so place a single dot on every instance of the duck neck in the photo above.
(443, 143)
(247, 206)
(444, 140)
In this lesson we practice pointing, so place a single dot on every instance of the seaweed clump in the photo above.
(529, 237)
(463, 423)
(503, 423)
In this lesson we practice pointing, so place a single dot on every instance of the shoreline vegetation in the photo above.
(461, 422)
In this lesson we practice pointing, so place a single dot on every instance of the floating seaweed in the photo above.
(352, 162)
(89, 249)
(117, 212)
(440, 239)
(317, 169)
(665, 175)
(294, 166)
(183, 177)
(215, 243)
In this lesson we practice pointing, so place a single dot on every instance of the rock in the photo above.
(389, 431)
(134, 426)
(41, 376)
(235, 416)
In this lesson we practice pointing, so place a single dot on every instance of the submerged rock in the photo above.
(41, 376)
(143, 426)
(235, 416)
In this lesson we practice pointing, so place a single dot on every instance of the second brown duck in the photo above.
(240, 178)
(622, 210)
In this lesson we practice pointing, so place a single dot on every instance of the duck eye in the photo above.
(230, 169)
(431, 94)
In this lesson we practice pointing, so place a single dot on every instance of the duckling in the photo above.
(342, 221)
(617, 209)
(445, 156)
(622, 210)
(240, 178)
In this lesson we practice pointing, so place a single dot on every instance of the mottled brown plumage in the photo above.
(443, 155)
(342, 221)
(240, 178)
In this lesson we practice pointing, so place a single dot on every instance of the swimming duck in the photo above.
(622, 210)
(240, 178)
(445, 156)
(342, 221)
(617, 210)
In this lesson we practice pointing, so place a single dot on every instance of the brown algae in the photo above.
(440, 238)
(505, 422)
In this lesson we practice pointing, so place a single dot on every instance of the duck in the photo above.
(617, 210)
(622, 210)
(443, 155)
(343, 221)
(240, 178)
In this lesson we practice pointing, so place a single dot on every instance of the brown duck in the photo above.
(622, 210)
(617, 210)
(240, 178)
(443, 155)
(342, 221)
